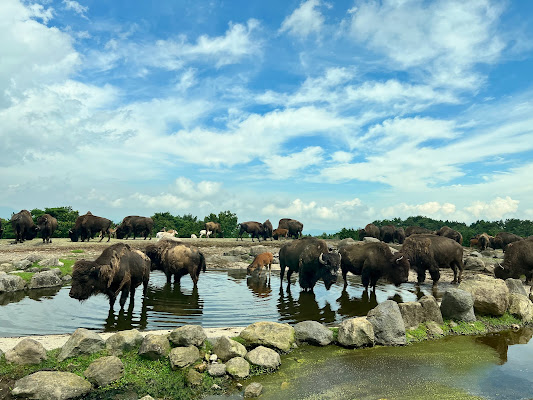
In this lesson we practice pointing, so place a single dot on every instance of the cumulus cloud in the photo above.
(432, 209)
(283, 167)
(76, 7)
(495, 209)
(305, 20)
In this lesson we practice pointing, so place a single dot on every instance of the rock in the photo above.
(104, 370)
(515, 286)
(50, 262)
(489, 269)
(66, 278)
(474, 264)
(238, 368)
(253, 390)
(264, 357)
(188, 335)
(213, 358)
(33, 257)
(430, 309)
(27, 351)
(491, 296)
(387, 321)
(345, 242)
(154, 347)
(226, 348)
(271, 334)
(519, 306)
(489, 253)
(475, 254)
(412, 314)
(215, 387)
(33, 270)
(51, 385)
(216, 369)
(433, 329)
(124, 341)
(356, 332)
(82, 341)
(255, 250)
(11, 283)
(237, 251)
(194, 378)
(23, 264)
(458, 304)
(45, 279)
(147, 397)
(7, 267)
(313, 332)
(370, 239)
(181, 357)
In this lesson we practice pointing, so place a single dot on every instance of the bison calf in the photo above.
(260, 261)
(119, 269)
(279, 233)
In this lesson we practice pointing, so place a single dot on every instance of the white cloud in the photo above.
(76, 7)
(284, 167)
(305, 20)
(494, 210)
(432, 209)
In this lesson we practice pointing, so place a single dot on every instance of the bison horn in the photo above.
(321, 259)
(399, 259)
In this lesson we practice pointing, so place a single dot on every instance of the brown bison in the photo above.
(260, 261)
(135, 225)
(280, 232)
(517, 261)
(267, 230)
(372, 261)
(448, 232)
(176, 259)
(215, 228)
(293, 226)
(431, 252)
(255, 229)
(370, 230)
(310, 257)
(86, 226)
(483, 241)
(502, 240)
(23, 226)
(399, 235)
(386, 233)
(417, 230)
(119, 269)
(47, 225)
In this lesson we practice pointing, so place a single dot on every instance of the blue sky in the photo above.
(333, 113)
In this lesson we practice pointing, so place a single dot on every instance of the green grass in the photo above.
(417, 334)
(335, 333)
(505, 321)
(239, 339)
(464, 328)
(66, 269)
(77, 251)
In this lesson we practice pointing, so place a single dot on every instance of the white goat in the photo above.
(206, 233)
(193, 236)
(165, 235)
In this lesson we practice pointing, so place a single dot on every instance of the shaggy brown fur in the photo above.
(518, 260)
(280, 232)
(260, 261)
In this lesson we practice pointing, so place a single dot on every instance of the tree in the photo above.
(227, 221)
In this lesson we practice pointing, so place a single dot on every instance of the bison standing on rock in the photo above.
(47, 225)
(370, 230)
(310, 257)
(517, 261)
(135, 225)
(86, 226)
(293, 226)
(255, 229)
(215, 228)
(431, 252)
(448, 232)
(280, 232)
(373, 260)
(119, 269)
(23, 226)
(176, 259)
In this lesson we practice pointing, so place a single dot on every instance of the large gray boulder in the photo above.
(253, 390)
(50, 262)
(26, 352)
(271, 334)
(188, 335)
(515, 286)
(45, 279)
(181, 357)
(104, 371)
(238, 368)
(371, 239)
(430, 309)
(356, 332)
(22, 264)
(216, 369)
(154, 347)
(255, 250)
(474, 264)
(226, 348)
(7, 267)
(521, 307)
(491, 296)
(82, 341)
(264, 357)
(458, 304)
(124, 341)
(345, 242)
(51, 385)
(387, 321)
(313, 332)
(412, 314)
(11, 283)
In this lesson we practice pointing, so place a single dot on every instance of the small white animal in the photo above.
(193, 236)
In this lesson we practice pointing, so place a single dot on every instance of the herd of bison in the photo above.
(120, 269)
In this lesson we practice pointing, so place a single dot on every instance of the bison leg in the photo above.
(169, 277)
(435, 275)
(124, 296)
(282, 268)
(421, 275)
(194, 276)
(457, 272)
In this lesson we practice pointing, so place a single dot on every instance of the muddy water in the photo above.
(223, 298)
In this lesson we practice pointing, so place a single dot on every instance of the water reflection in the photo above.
(125, 320)
(173, 299)
(303, 308)
(259, 285)
(354, 306)
(501, 341)
(33, 294)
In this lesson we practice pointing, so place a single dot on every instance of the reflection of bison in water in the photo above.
(293, 226)
(518, 260)
(448, 232)
(215, 228)
(119, 269)
(88, 225)
(135, 226)
(47, 225)
(370, 230)
(254, 228)
(502, 240)
(176, 259)
(431, 252)
(23, 226)
(372, 261)
(310, 257)
(260, 261)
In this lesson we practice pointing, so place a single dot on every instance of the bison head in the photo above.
(399, 272)
(120, 232)
(85, 280)
(73, 235)
(32, 232)
(330, 264)
(153, 251)
(501, 273)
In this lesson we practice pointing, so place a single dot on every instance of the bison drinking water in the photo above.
(260, 261)
(119, 269)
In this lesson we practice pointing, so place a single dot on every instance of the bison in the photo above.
(431, 252)
(47, 225)
(399, 235)
(293, 226)
(215, 228)
(119, 269)
(310, 257)
(267, 230)
(135, 225)
(386, 233)
(280, 232)
(260, 261)
(448, 232)
(86, 226)
(176, 259)
(483, 241)
(23, 226)
(502, 240)
(373, 260)
(370, 230)
(417, 230)
(255, 229)
(517, 261)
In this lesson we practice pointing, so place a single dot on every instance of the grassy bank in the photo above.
(66, 269)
